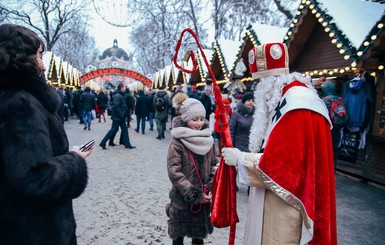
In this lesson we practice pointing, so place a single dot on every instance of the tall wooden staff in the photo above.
(224, 208)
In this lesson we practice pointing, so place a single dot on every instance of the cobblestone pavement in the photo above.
(127, 193)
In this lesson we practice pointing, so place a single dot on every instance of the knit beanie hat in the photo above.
(191, 108)
(247, 96)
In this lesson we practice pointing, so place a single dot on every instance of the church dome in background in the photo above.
(115, 51)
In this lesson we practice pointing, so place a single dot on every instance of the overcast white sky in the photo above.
(105, 33)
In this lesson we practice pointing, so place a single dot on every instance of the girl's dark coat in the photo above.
(39, 177)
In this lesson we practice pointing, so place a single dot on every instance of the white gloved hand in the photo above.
(231, 155)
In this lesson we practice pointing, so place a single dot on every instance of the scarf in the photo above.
(200, 142)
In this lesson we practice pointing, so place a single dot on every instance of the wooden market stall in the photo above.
(344, 40)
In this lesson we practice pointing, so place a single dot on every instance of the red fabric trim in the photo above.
(298, 156)
(294, 83)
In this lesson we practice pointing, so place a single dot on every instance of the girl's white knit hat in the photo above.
(191, 108)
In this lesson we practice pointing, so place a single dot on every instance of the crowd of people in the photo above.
(282, 148)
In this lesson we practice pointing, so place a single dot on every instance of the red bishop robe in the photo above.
(293, 184)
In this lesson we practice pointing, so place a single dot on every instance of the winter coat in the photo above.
(102, 100)
(118, 107)
(150, 103)
(130, 100)
(187, 191)
(39, 176)
(141, 107)
(240, 124)
(87, 101)
(206, 101)
(162, 115)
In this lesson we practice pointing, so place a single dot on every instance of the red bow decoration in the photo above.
(224, 208)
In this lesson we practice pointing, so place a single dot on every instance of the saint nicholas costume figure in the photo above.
(290, 167)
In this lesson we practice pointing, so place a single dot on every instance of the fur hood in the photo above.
(16, 80)
(178, 99)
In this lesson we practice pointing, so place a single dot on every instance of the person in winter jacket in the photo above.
(241, 121)
(118, 117)
(161, 115)
(191, 166)
(206, 101)
(328, 94)
(39, 176)
(141, 111)
(151, 108)
(130, 101)
(102, 101)
(87, 104)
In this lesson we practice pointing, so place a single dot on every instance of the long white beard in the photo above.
(266, 97)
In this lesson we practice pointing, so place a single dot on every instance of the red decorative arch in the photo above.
(115, 71)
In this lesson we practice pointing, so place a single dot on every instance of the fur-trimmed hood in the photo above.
(12, 79)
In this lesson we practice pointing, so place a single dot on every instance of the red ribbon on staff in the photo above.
(224, 208)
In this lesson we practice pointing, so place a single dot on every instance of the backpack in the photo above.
(338, 114)
(160, 103)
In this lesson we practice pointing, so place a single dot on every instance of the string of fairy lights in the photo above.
(338, 38)
(61, 73)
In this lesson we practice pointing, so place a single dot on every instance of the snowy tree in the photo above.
(154, 40)
(77, 47)
(60, 23)
(231, 17)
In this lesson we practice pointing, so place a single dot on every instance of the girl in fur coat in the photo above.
(191, 165)
(39, 176)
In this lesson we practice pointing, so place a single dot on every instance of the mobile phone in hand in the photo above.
(87, 146)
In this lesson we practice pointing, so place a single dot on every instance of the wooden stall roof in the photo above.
(255, 34)
(198, 77)
(223, 59)
(160, 78)
(179, 75)
(329, 37)
(202, 66)
(169, 77)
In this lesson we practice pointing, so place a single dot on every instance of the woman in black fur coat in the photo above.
(39, 176)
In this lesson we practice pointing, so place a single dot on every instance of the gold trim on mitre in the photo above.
(262, 63)
(260, 58)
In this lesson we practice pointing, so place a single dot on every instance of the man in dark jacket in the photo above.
(161, 114)
(206, 101)
(151, 108)
(130, 101)
(75, 103)
(87, 104)
(141, 111)
(118, 117)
